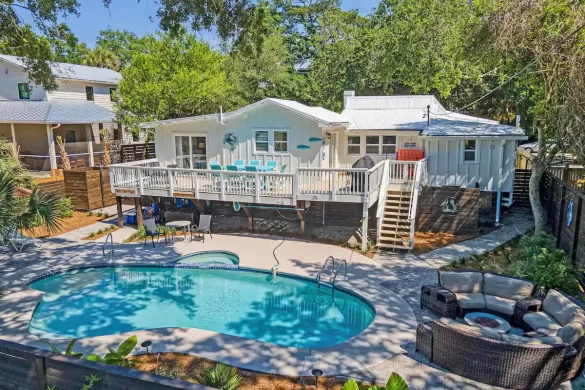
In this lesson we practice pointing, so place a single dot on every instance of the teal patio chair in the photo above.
(254, 163)
(240, 163)
(272, 164)
(215, 164)
(215, 177)
(283, 169)
(235, 182)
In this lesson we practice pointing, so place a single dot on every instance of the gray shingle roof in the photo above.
(54, 111)
(459, 128)
(72, 71)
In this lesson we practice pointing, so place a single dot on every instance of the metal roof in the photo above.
(410, 113)
(72, 71)
(318, 114)
(54, 111)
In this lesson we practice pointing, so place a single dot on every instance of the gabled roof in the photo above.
(54, 111)
(317, 114)
(72, 71)
(410, 113)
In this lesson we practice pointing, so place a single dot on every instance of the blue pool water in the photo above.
(288, 312)
(211, 257)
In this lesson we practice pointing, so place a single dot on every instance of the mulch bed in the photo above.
(186, 365)
(78, 220)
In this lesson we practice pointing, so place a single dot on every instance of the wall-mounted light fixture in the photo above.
(328, 135)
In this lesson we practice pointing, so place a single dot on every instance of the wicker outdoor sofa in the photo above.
(553, 353)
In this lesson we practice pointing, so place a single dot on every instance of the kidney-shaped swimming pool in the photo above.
(288, 311)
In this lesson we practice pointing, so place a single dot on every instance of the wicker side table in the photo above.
(439, 300)
(424, 339)
(522, 307)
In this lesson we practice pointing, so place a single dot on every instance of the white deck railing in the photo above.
(420, 179)
(146, 177)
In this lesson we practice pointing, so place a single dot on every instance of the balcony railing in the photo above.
(314, 184)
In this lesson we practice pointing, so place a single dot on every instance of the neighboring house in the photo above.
(319, 146)
(33, 118)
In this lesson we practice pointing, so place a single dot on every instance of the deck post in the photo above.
(88, 134)
(365, 213)
(119, 209)
(138, 203)
(333, 185)
(301, 215)
(257, 179)
(498, 206)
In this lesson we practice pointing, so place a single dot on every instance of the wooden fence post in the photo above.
(120, 213)
(138, 204)
(577, 230)
(566, 173)
(41, 372)
(560, 219)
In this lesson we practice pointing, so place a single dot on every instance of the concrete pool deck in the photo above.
(392, 330)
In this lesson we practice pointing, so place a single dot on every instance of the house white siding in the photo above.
(493, 168)
(68, 89)
(265, 117)
(10, 76)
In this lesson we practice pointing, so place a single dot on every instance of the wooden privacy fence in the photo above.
(89, 188)
(136, 152)
(26, 368)
(564, 208)
(448, 210)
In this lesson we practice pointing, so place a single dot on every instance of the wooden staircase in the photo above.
(395, 231)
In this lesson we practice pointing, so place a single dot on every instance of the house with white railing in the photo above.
(286, 154)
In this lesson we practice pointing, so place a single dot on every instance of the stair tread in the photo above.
(382, 246)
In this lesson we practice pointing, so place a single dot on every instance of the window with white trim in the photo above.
(280, 141)
(353, 144)
(23, 90)
(89, 93)
(389, 144)
(470, 150)
(372, 144)
(261, 141)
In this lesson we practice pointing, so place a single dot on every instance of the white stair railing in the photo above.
(383, 193)
(418, 182)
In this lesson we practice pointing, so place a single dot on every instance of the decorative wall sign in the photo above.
(449, 205)
(303, 147)
(231, 140)
(315, 139)
(410, 144)
(570, 213)
(236, 206)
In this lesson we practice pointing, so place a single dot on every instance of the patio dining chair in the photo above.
(203, 227)
(283, 169)
(151, 230)
(235, 182)
(254, 163)
(272, 164)
(240, 163)
(216, 177)
(251, 179)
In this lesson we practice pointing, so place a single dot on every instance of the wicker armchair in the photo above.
(506, 364)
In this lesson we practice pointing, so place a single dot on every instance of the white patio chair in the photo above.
(19, 241)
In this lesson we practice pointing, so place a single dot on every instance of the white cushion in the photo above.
(542, 323)
(508, 288)
(470, 300)
(571, 332)
(499, 304)
(462, 282)
(559, 307)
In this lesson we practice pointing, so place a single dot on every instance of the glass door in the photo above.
(191, 151)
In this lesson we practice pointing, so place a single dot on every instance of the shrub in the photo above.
(531, 246)
(221, 377)
(395, 382)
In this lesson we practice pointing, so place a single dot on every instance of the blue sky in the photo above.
(136, 17)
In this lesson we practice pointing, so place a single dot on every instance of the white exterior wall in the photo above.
(265, 117)
(68, 89)
(346, 160)
(10, 76)
(493, 169)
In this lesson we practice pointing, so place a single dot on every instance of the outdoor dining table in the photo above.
(185, 226)
(264, 168)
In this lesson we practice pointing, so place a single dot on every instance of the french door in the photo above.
(191, 151)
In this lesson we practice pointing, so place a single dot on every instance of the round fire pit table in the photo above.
(487, 321)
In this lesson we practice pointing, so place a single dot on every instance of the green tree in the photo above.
(545, 40)
(120, 42)
(21, 40)
(102, 58)
(420, 47)
(176, 76)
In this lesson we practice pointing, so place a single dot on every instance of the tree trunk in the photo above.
(534, 194)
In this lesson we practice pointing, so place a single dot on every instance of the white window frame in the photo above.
(354, 145)
(271, 141)
(190, 155)
(256, 131)
(29, 91)
(476, 151)
(274, 141)
(376, 144)
(382, 144)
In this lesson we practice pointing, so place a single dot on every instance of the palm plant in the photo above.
(221, 377)
(24, 205)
